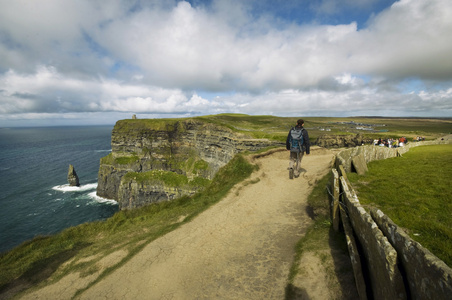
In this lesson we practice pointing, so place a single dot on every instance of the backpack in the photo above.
(296, 139)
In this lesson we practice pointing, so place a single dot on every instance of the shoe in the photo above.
(290, 173)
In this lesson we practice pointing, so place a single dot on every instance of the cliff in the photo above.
(154, 160)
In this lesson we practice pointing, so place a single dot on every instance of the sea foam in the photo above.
(100, 199)
(67, 188)
(84, 188)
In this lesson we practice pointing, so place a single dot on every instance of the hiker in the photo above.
(297, 143)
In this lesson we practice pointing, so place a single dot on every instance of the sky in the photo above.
(92, 62)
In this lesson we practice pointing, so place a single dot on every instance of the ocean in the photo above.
(35, 198)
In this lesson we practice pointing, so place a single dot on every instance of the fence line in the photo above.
(387, 263)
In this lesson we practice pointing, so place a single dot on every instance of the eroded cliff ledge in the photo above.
(154, 160)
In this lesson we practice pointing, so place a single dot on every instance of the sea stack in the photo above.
(72, 177)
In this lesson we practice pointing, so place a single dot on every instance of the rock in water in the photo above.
(72, 177)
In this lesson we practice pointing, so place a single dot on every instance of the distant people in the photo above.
(394, 143)
(402, 141)
(297, 143)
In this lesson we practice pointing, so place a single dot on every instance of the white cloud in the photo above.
(409, 39)
(160, 56)
(193, 48)
(55, 94)
(347, 79)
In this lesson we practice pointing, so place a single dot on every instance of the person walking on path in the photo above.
(297, 143)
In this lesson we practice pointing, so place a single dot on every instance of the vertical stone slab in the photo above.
(428, 277)
(355, 258)
(380, 256)
(369, 153)
(335, 201)
(359, 164)
(342, 172)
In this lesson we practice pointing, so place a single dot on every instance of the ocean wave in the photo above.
(102, 150)
(101, 200)
(67, 188)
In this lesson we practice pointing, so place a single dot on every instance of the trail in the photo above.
(240, 248)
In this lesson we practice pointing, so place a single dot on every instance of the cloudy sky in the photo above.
(66, 62)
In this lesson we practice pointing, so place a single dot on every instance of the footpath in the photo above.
(240, 248)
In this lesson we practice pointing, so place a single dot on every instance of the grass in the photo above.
(126, 159)
(414, 191)
(81, 247)
(167, 178)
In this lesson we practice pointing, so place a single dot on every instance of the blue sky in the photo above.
(76, 62)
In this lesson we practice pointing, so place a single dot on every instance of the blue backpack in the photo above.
(296, 139)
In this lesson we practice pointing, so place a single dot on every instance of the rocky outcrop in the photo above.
(154, 160)
(72, 177)
(340, 141)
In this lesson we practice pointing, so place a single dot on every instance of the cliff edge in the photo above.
(161, 159)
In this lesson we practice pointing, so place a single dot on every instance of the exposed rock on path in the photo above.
(240, 248)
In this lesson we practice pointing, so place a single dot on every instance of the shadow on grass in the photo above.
(295, 293)
(39, 272)
(343, 268)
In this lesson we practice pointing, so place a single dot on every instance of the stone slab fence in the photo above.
(370, 153)
(387, 263)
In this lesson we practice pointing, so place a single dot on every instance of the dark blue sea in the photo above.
(35, 198)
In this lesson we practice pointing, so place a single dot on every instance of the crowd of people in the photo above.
(390, 142)
(419, 139)
(394, 143)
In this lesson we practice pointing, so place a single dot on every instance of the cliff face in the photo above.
(340, 141)
(155, 160)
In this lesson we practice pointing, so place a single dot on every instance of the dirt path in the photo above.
(240, 248)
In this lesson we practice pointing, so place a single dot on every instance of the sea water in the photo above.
(35, 198)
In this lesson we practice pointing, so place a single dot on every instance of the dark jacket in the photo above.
(306, 143)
